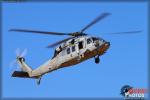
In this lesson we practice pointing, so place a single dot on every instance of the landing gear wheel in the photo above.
(38, 81)
(97, 60)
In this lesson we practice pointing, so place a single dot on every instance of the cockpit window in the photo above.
(89, 41)
(94, 38)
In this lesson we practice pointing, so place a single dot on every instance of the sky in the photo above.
(125, 63)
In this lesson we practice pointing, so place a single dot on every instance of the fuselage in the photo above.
(79, 49)
(70, 53)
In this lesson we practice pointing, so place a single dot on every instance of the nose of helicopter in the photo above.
(107, 44)
(104, 47)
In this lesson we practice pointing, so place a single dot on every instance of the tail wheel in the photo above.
(97, 60)
(39, 80)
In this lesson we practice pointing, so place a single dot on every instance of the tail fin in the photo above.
(26, 71)
(23, 65)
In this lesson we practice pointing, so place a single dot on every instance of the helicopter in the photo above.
(78, 47)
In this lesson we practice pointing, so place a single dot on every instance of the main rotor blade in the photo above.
(127, 32)
(102, 16)
(40, 32)
(59, 42)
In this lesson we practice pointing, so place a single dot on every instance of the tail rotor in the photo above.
(19, 55)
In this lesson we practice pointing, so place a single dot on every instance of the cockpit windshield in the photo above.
(95, 39)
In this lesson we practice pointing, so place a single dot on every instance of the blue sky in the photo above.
(124, 63)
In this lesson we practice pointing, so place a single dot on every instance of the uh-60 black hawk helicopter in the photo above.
(70, 51)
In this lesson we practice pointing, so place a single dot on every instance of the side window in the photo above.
(68, 50)
(89, 41)
(73, 48)
(80, 45)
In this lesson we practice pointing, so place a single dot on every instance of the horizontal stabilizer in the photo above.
(21, 74)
